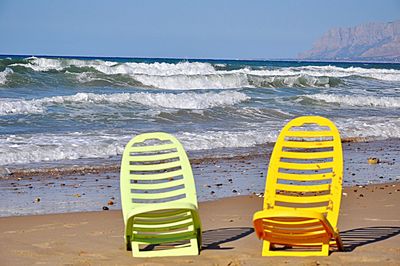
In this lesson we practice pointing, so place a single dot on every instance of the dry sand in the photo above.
(369, 223)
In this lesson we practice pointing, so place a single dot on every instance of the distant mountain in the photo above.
(371, 41)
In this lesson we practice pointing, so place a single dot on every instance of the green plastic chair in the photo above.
(158, 197)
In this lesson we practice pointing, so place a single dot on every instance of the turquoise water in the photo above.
(59, 110)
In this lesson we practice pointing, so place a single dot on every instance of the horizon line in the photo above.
(211, 59)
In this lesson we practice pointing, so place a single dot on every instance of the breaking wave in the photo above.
(17, 149)
(333, 71)
(201, 75)
(8, 107)
(77, 145)
(354, 100)
(185, 100)
(4, 74)
(369, 128)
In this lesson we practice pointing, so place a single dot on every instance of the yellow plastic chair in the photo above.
(303, 191)
(158, 197)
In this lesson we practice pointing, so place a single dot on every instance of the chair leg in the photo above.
(339, 243)
(325, 249)
(128, 243)
(266, 248)
(135, 249)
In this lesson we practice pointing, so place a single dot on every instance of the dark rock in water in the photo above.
(105, 208)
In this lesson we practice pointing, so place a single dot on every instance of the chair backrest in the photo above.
(155, 170)
(306, 168)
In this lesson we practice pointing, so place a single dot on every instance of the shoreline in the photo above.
(263, 150)
(395, 186)
(368, 222)
(97, 186)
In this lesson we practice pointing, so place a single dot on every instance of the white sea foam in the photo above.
(112, 68)
(333, 71)
(102, 144)
(372, 127)
(198, 75)
(52, 147)
(215, 81)
(183, 100)
(226, 139)
(355, 100)
(11, 107)
(4, 74)
(47, 64)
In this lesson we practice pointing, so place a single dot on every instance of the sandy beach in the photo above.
(369, 224)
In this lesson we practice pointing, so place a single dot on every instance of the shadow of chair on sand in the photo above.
(352, 239)
(212, 239)
(358, 237)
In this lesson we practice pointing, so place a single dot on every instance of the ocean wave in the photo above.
(78, 145)
(208, 81)
(355, 100)
(201, 75)
(300, 80)
(53, 147)
(333, 71)
(4, 74)
(226, 139)
(28, 148)
(113, 68)
(183, 100)
(12, 107)
(369, 128)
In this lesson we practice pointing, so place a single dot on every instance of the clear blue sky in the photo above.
(184, 28)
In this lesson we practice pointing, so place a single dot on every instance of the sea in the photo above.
(80, 110)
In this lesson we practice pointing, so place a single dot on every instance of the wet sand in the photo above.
(90, 188)
(369, 223)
